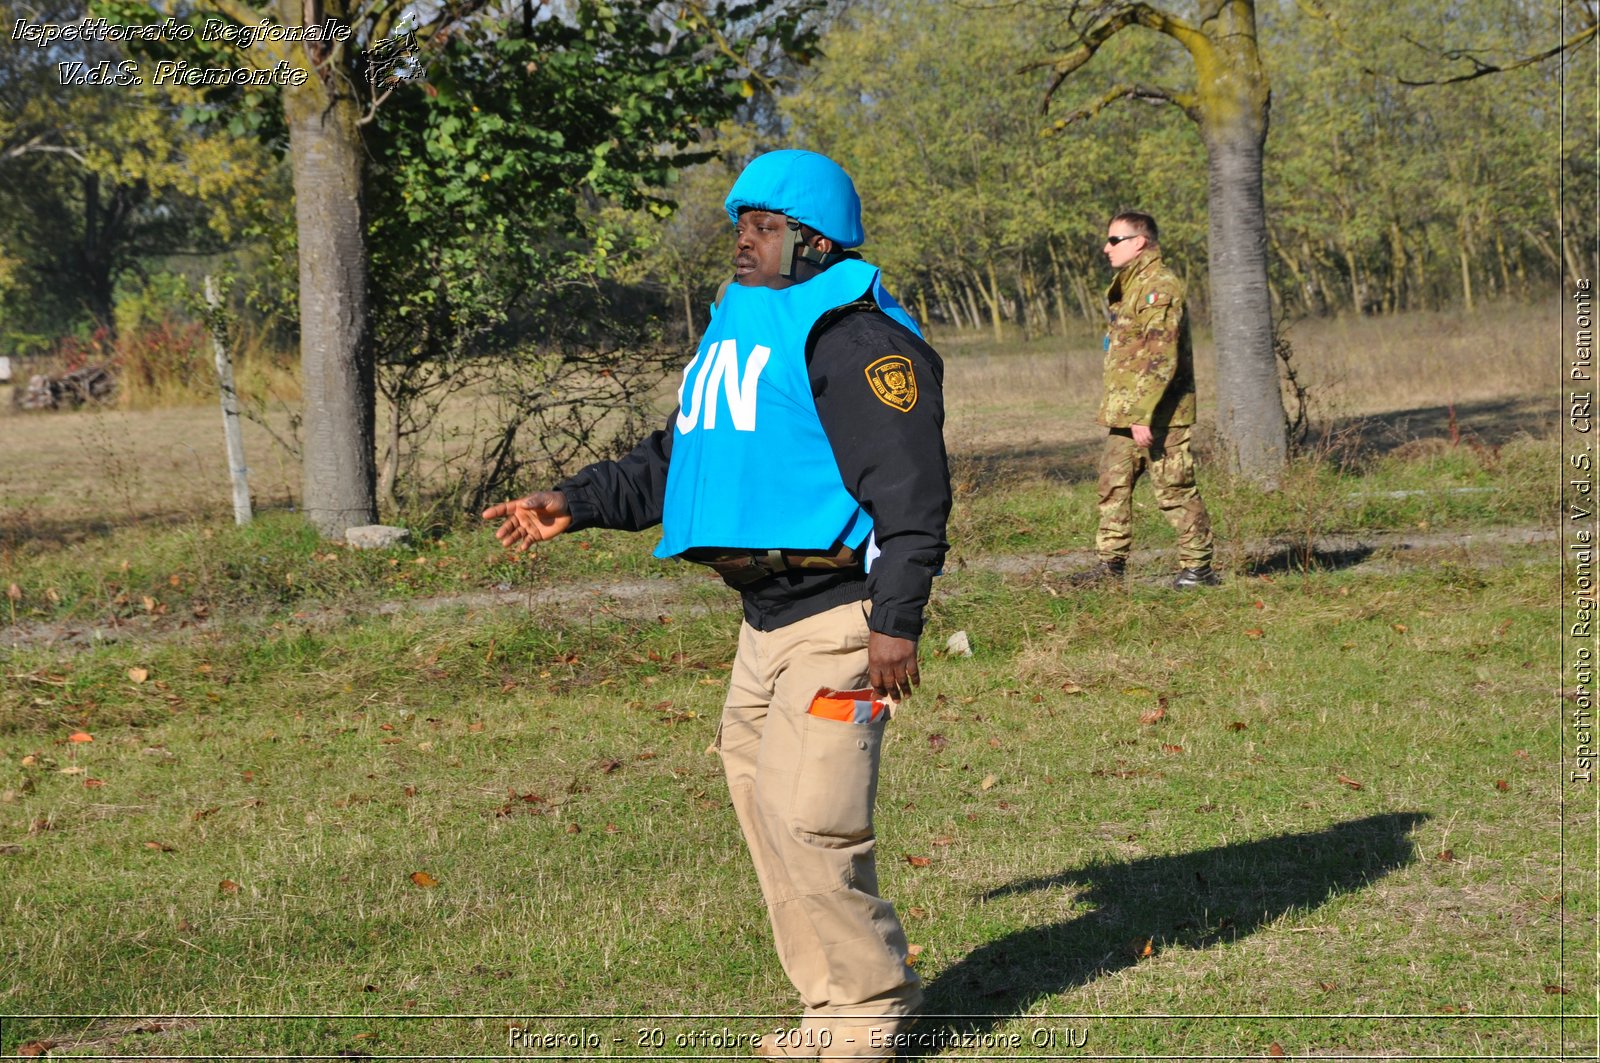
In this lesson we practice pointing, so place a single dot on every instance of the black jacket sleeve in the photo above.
(626, 494)
(890, 454)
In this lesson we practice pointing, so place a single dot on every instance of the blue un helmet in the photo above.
(809, 188)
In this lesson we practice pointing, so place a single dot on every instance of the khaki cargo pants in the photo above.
(803, 787)
(1171, 468)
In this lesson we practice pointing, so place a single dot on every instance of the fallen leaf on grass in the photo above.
(94, 784)
(943, 840)
(227, 885)
(1071, 688)
(917, 913)
(1326, 987)
(1153, 716)
(988, 782)
(1502, 785)
(1237, 725)
(936, 742)
(1167, 747)
(912, 952)
(36, 1048)
(573, 828)
(475, 727)
(1447, 856)
(609, 766)
(1143, 948)
(1553, 989)
(424, 880)
(1400, 628)
(72, 771)
(1275, 1049)
(1347, 781)
(919, 861)
(80, 736)
(160, 847)
(1254, 633)
(10, 850)
(612, 828)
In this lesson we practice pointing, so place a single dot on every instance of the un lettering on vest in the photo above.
(718, 364)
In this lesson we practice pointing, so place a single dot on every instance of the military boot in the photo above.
(1103, 571)
(1204, 576)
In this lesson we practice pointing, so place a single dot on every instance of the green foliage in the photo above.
(500, 203)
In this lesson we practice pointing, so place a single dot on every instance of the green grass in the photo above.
(549, 770)
(1435, 487)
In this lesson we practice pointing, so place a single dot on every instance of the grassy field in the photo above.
(259, 795)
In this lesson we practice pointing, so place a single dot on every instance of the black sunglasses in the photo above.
(1115, 240)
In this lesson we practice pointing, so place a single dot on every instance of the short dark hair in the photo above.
(1141, 223)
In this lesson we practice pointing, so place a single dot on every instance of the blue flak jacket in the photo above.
(751, 466)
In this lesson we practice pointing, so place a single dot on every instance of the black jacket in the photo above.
(893, 462)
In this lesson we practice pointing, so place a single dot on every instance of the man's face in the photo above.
(758, 249)
(1122, 244)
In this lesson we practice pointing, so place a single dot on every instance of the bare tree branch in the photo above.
(34, 146)
(1480, 68)
(1147, 93)
(1113, 21)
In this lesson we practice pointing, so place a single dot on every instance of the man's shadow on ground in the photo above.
(1143, 907)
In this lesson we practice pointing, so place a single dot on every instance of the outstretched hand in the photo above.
(542, 515)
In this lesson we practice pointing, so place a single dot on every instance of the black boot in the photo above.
(1204, 576)
(1110, 571)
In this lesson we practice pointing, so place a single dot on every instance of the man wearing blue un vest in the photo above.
(805, 463)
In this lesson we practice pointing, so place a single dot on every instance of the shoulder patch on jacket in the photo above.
(893, 382)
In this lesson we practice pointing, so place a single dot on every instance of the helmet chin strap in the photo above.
(796, 250)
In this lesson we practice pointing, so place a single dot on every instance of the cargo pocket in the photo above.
(836, 781)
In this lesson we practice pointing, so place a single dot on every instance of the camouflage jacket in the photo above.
(1149, 372)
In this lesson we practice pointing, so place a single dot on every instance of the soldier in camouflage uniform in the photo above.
(1148, 406)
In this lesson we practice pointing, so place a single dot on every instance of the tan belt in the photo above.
(741, 568)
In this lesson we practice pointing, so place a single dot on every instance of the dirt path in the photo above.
(1377, 553)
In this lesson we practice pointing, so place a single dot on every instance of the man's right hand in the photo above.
(542, 515)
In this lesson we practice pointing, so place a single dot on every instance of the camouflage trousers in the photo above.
(1171, 468)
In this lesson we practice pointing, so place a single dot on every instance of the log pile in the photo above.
(92, 383)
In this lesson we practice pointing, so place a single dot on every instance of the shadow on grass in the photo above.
(1142, 907)
(1490, 423)
(1072, 463)
(1284, 557)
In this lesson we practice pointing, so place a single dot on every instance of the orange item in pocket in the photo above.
(848, 706)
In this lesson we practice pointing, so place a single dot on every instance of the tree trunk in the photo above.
(335, 344)
(1060, 287)
(1234, 102)
(971, 306)
(688, 317)
(991, 295)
